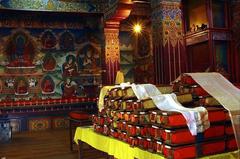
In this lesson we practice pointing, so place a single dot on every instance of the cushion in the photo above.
(79, 115)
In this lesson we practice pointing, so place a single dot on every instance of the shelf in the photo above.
(208, 34)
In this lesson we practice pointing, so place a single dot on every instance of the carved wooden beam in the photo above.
(119, 11)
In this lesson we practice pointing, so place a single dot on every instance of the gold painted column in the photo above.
(112, 51)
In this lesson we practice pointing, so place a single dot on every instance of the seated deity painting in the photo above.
(88, 58)
(69, 67)
(68, 88)
(143, 46)
(21, 86)
(49, 63)
(48, 40)
(47, 85)
(66, 41)
(20, 51)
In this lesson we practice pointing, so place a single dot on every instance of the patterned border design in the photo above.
(112, 53)
(39, 124)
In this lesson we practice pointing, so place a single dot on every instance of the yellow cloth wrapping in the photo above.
(114, 147)
(121, 150)
(103, 93)
(119, 78)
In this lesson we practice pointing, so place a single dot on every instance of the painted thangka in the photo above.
(126, 55)
(39, 61)
(136, 64)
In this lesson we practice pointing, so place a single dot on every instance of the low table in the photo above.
(122, 150)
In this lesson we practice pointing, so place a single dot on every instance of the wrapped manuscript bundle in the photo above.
(115, 93)
(148, 104)
(208, 101)
(194, 150)
(137, 105)
(128, 93)
(176, 120)
(177, 137)
(195, 90)
(184, 98)
(187, 80)
(231, 144)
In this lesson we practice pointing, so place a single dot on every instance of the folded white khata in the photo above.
(225, 93)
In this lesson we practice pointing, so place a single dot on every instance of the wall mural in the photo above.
(136, 64)
(143, 59)
(126, 55)
(52, 5)
(40, 63)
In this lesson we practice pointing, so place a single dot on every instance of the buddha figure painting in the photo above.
(143, 46)
(67, 41)
(88, 58)
(69, 67)
(49, 63)
(69, 88)
(21, 87)
(47, 85)
(20, 51)
(49, 41)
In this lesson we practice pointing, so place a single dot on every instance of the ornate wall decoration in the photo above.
(60, 123)
(168, 44)
(52, 5)
(112, 45)
(112, 53)
(172, 24)
(39, 124)
(167, 18)
(110, 9)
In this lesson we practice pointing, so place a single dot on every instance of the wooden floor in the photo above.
(52, 144)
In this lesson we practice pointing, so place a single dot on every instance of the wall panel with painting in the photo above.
(49, 55)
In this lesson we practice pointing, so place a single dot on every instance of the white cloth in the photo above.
(144, 91)
(197, 118)
(225, 93)
(220, 88)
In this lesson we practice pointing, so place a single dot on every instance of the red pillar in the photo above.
(168, 43)
(236, 41)
(112, 51)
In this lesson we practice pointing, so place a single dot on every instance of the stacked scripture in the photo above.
(221, 126)
(140, 123)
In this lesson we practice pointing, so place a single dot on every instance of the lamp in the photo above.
(137, 28)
